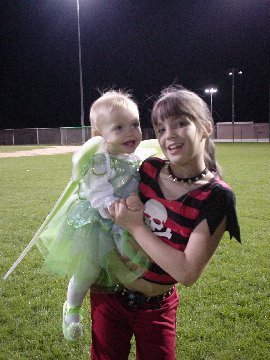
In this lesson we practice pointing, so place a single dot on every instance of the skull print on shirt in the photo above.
(155, 217)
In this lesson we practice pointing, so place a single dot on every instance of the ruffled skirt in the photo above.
(78, 241)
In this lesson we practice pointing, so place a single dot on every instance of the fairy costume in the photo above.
(80, 238)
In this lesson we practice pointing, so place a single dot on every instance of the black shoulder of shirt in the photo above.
(223, 195)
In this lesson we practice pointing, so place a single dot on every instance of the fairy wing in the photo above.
(80, 159)
(80, 163)
(149, 148)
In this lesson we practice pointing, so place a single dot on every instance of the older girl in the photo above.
(187, 208)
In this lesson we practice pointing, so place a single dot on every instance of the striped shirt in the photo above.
(173, 221)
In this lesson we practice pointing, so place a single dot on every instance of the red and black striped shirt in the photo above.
(173, 221)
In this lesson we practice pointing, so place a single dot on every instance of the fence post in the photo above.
(37, 137)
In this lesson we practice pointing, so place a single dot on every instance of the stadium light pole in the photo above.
(232, 73)
(80, 68)
(211, 91)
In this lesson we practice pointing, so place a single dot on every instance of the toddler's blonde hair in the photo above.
(106, 103)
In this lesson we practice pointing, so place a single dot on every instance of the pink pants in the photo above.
(113, 325)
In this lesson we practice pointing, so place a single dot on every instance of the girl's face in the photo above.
(121, 131)
(181, 141)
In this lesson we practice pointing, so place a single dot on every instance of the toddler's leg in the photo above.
(81, 282)
(72, 314)
(76, 291)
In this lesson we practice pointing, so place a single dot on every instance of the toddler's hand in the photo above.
(109, 209)
(134, 203)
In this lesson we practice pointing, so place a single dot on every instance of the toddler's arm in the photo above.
(96, 184)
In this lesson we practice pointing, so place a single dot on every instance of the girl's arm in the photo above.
(185, 267)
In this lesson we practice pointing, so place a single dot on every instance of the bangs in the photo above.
(168, 107)
(176, 103)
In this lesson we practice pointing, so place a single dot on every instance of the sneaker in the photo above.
(72, 328)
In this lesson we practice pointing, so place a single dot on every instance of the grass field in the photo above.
(225, 315)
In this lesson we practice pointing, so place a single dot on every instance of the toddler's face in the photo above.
(121, 131)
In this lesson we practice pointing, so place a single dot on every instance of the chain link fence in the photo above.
(77, 135)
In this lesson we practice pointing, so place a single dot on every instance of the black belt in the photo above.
(136, 300)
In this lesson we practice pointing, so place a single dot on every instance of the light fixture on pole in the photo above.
(232, 72)
(211, 91)
(80, 68)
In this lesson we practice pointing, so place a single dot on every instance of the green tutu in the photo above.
(84, 242)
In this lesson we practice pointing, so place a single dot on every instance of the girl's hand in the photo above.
(134, 203)
(126, 218)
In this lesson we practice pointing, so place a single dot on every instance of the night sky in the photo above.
(131, 44)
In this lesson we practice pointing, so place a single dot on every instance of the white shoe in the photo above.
(72, 330)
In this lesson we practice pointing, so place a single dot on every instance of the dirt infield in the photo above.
(54, 150)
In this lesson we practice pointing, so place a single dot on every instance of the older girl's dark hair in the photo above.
(176, 101)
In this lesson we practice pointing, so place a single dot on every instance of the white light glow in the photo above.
(210, 91)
